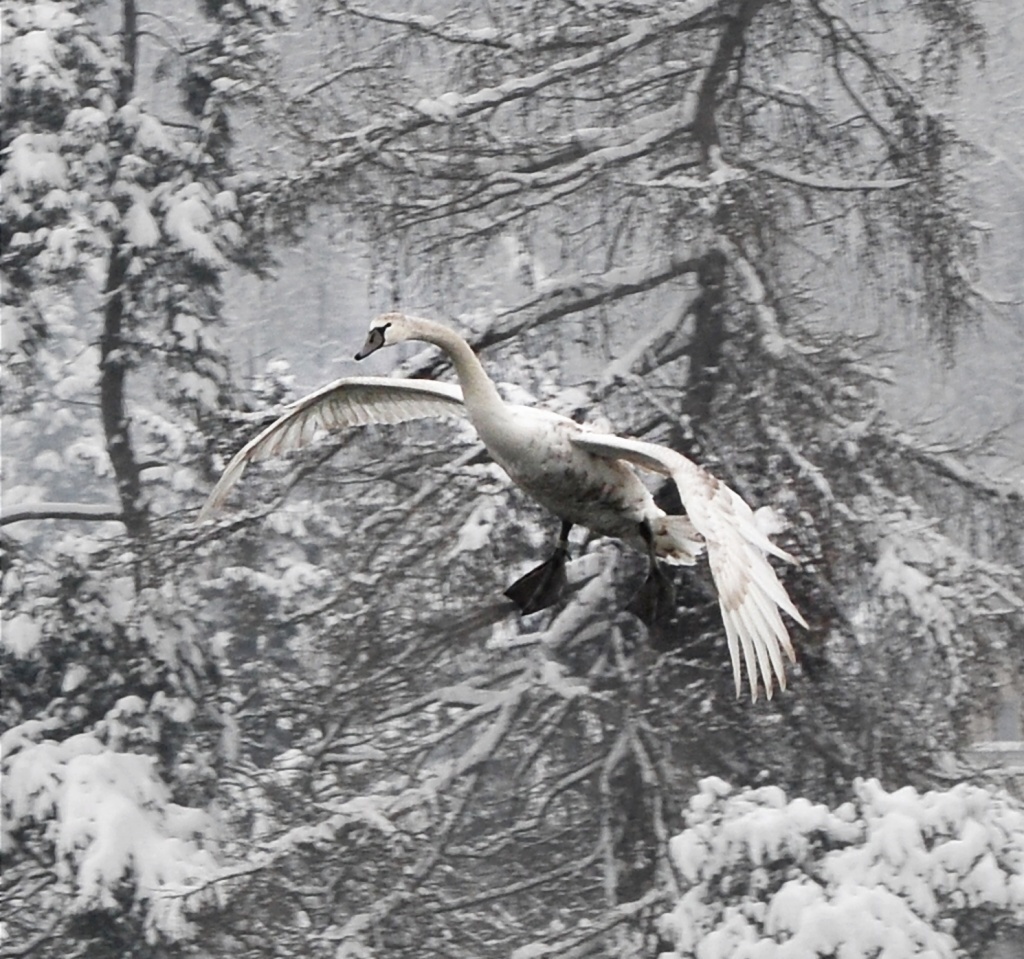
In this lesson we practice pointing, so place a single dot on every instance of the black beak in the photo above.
(371, 345)
(374, 341)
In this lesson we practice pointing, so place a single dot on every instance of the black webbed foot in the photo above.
(542, 587)
(655, 600)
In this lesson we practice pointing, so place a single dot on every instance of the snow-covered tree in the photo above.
(117, 226)
(119, 222)
(901, 873)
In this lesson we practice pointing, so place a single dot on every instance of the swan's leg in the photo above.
(656, 599)
(541, 587)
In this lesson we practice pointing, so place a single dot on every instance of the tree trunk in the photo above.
(113, 352)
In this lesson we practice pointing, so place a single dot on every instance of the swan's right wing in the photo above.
(352, 401)
(749, 593)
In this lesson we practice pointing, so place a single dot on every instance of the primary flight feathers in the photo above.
(352, 401)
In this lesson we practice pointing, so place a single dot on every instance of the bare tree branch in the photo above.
(88, 512)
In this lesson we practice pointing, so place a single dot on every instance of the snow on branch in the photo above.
(808, 469)
(565, 167)
(446, 107)
(827, 183)
(773, 340)
(559, 36)
(434, 26)
(484, 746)
(640, 34)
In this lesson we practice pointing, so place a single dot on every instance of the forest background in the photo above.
(782, 237)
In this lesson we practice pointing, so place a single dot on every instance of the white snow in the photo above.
(74, 676)
(120, 599)
(141, 229)
(882, 876)
(33, 160)
(187, 220)
(151, 135)
(475, 532)
(61, 248)
(281, 9)
(44, 15)
(440, 109)
(556, 677)
(225, 202)
(31, 57)
(20, 634)
(112, 821)
(88, 121)
(924, 596)
(200, 388)
(57, 199)
(187, 327)
(89, 450)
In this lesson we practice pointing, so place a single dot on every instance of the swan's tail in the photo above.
(676, 541)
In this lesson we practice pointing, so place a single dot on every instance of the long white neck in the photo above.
(478, 389)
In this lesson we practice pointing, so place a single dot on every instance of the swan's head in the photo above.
(386, 330)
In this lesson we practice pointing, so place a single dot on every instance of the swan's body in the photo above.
(584, 477)
(543, 454)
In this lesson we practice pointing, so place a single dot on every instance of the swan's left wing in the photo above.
(749, 592)
(352, 401)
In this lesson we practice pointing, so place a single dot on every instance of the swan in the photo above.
(586, 478)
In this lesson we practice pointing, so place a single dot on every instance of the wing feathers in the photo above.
(749, 593)
(353, 401)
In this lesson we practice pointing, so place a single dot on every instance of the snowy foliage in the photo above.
(92, 177)
(885, 874)
(111, 821)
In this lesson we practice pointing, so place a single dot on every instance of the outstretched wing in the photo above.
(353, 401)
(749, 592)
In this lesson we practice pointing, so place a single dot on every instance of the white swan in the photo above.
(584, 477)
